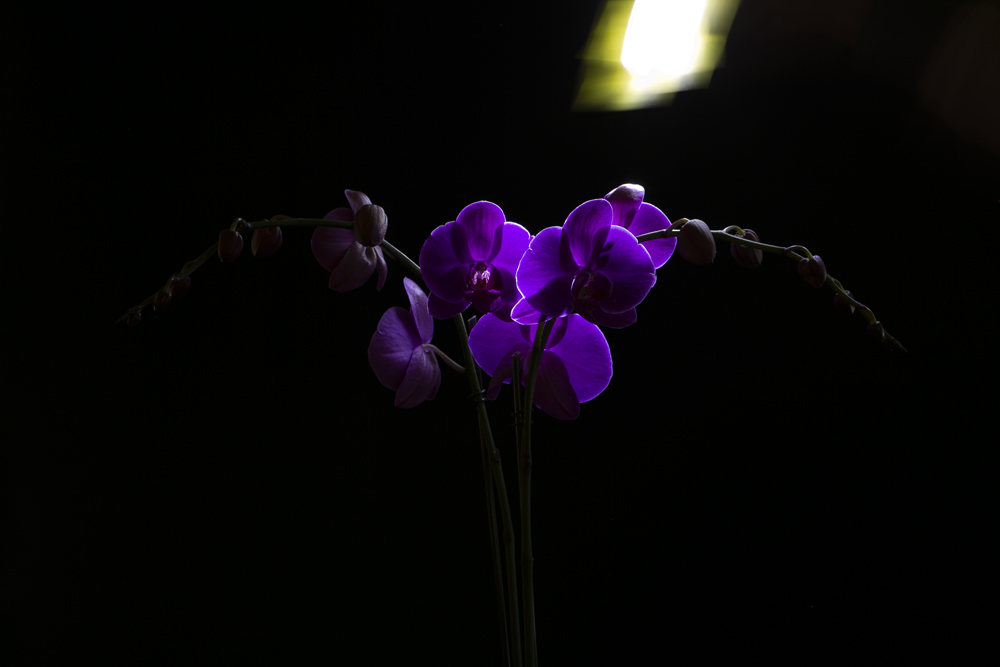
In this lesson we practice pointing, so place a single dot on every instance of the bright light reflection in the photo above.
(663, 38)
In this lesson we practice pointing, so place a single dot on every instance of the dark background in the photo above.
(229, 480)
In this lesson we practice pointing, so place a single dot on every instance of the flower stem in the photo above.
(789, 251)
(524, 471)
(508, 526)
(491, 519)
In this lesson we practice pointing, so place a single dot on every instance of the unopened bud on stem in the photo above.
(744, 256)
(695, 243)
(813, 270)
(230, 245)
(370, 224)
(265, 241)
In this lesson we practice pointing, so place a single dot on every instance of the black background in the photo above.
(229, 479)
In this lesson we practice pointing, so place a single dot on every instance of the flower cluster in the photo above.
(588, 273)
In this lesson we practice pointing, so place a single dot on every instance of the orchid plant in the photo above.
(539, 305)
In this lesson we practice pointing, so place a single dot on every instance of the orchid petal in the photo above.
(330, 244)
(418, 311)
(444, 310)
(554, 392)
(445, 261)
(584, 351)
(630, 269)
(342, 214)
(356, 199)
(422, 379)
(502, 374)
(583, 224)
(523, 313)
(492, 341)
(392, 346)
(625, 200)
(546, 271)
(354, 268)
(483, 226)
(514, 243)
(651, 219)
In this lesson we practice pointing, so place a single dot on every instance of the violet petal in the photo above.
(492, 341)
(554, 392)
(585, 352)
(583, 224)
(444, 310)
(625, 200)
(651, 219)
(483, 224)
(630, 269)
(330, 244)
(502, 373)
(354, 269)
(515, 241)
(523, 313)
(543, 276)
(392, 346)
(356, 199)
(422, 379)
(381, 268)
(418, 310)
(341, 214)
(445, 262)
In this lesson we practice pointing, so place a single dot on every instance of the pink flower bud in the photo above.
(876, 332)
(744, 256)
(695, 243)
(843, 305)
(265, 241)
(370, 223)
(813, 270)
(230, 245)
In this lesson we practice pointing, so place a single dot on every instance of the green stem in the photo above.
(491, 519)
(508, 526)
(524, 471)
(739, 239)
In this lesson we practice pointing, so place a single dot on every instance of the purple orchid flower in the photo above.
(641, 218)
(352, 256)
(473, 260)
(575, 366)
(589, 266)
(397, 353)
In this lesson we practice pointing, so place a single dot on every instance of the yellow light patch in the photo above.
(641, 52)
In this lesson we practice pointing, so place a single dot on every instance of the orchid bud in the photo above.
(843, 305)
(695, 243)
(230, 245)
(370, 223)
(265, 241)
(813, 270)
(134, 316)
(744, 256)
(876, 332)
(161, 301)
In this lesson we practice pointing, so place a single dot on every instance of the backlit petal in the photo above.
(418, 310)
(545, 273)
(492, 341)
(354, 268)
(392, 346)
(650, 219)
(630, 269)
(329, 244)
(584, 351)
(583, 224)
(445, 262)
(625, 200)
(357, 199)
(554, 392)
(422, 379)
(483, 225)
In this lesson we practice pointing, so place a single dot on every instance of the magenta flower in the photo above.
(351, 256)
(640, 218)
(589, 266)
(575, 366)
(397, 353)
(473, 260)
